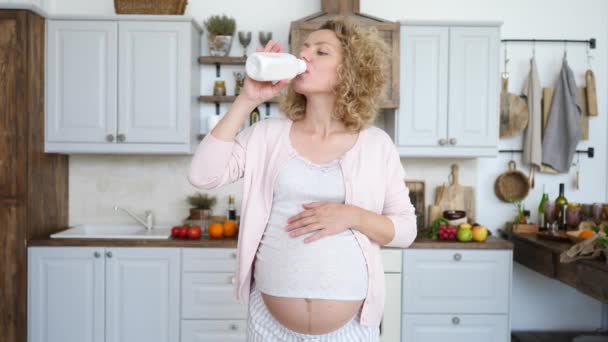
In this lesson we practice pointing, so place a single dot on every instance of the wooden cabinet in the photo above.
(449, 90)
(456, 295)
(101, 294)
(119, 86)
(33, 185)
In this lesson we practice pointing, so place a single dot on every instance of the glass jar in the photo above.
(219, 88)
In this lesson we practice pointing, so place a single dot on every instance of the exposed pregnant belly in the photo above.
(311, 316)
(311, 288)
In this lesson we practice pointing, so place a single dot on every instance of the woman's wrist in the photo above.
(245, 103)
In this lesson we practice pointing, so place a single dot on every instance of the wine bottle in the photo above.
(541, 209)
(561, 205)
(231, 208)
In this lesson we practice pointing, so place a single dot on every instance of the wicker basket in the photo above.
(150, 6)
(512, 186)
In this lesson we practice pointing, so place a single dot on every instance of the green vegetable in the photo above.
(435, 227)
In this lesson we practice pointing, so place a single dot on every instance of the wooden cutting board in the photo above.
(416, 189)
(456, 196)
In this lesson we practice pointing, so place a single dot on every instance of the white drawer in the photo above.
(209, 259)
(214, 331)
(456, 281)
(455, 328)
(210, 296)
(391, 259)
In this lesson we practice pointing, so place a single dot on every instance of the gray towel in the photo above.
(532, 139)
(563, 127)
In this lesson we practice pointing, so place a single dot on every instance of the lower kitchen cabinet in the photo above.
(455, 328)
(456, 295)
(82, 294)
(214, 330)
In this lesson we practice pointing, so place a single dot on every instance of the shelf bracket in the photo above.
(217, 69)
(267, 109)
(217, 108)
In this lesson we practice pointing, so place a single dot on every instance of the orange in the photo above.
(230, 228)
(215, 230)
(586, 234)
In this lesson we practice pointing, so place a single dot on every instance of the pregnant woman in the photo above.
(323, 189)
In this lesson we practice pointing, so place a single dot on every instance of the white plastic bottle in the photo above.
(273, 66)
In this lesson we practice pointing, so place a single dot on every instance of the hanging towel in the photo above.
(563, 127)
(533, 136)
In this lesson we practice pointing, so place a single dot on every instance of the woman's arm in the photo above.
(220, 157)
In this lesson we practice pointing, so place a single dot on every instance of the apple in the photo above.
(480, 233)
(464, 235)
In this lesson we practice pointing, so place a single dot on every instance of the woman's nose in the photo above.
(305, 55)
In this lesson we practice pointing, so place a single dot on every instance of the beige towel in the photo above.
(533, 153)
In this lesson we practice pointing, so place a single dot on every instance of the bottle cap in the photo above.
(301, 66)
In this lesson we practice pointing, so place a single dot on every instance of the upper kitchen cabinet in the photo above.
(122, 85)
(449, 93)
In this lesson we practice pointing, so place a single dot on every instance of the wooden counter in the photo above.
(491, 243)
(589, 276)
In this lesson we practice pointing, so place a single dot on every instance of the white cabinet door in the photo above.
(474, 80)
(81, 81)
(142, 294)
(422, 118)
(65, 294)
(214, 331)
(210, 296)
(462, 281)
(390, 326)
(154, 64)
(455, 328)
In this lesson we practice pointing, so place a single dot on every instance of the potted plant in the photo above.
(220, 30)
(202, 206)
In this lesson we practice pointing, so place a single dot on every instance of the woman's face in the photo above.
(322, 53)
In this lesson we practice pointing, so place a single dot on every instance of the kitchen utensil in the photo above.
(512, 185)
(591, 95)
(513, 112)
(455, 196)
(454, 214)
(416, 189)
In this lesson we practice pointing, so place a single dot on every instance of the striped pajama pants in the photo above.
(262, 327)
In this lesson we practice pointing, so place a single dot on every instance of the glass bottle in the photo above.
(541, 209)
(561, 205)
(219, 88)
(231, 208)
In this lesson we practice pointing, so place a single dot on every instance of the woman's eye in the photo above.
(321, 53)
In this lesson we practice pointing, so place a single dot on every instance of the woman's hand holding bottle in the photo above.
(258, 92)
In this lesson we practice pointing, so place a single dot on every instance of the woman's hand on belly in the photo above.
(324, 218)
(311, 316)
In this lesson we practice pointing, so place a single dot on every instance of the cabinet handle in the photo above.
(234, 327)
(109, 254)
(233, 255)
(96, 254)
(232, 280)
(455, 320)
(121, 137)
(110, 137)
(457, 257)
(442, 142)
(452, 141)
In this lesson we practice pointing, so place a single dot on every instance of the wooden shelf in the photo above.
(217, 99)
(222, 60)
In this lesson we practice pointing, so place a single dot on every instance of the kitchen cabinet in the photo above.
(33, 184)
(98, 294)
(456, 295)
(390, 326)
(449, 90)
(210, 312)
(122, 86)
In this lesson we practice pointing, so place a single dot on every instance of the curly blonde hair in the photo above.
(361, 76)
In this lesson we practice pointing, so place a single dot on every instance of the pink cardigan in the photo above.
(373, 176)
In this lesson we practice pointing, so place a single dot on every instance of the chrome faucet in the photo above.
(148, 223)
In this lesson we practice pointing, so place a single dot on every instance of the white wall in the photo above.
(159, 183)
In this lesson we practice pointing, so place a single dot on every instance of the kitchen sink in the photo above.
(116, 231)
